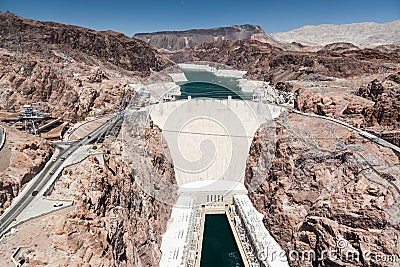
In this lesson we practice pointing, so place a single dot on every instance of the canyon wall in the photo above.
(266, 62)
(178, 40)
(326, 188)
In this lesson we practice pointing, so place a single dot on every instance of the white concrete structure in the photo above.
(179, 243)
(157, 90)
(267, 250)
(250, 85)
(178, 77)
(2, 137)
(213, 192)
(209, 142)
(210, 139)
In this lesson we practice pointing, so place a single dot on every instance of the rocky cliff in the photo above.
(363, 34)
(328, 196)
(177, 40)
(78, 43)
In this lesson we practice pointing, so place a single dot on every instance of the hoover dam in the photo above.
(208, 140)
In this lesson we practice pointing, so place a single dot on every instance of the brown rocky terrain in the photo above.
(73, 71)
(79, 43)
(20, 161)
(321, 188)
(269, 63)
(374, 107)
(114, 222)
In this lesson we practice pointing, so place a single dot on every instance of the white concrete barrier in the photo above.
(3, 137)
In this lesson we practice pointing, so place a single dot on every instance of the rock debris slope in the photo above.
(20, 161)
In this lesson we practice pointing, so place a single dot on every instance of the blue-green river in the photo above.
(219, 246)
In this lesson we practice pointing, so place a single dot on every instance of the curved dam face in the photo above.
(209, 139)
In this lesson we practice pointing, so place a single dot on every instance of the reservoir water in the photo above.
(203, 89)
(219, 246)
(206, 84)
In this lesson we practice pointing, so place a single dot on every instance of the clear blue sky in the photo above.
(134, 16)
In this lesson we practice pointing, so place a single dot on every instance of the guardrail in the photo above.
(73, 129)
(3, 137)
(15, 253)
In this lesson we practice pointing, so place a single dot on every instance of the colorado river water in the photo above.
(219, 246)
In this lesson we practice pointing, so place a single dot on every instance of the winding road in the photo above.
(22, 201)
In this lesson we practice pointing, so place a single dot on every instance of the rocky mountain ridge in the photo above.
(77, 43)
(270, 63)
(72, 71)
(178, 40)
(366, 34)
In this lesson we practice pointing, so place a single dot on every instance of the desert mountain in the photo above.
(72, 71)
(177, 40)
(366, 34)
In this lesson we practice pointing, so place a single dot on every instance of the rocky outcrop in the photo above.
(22, 158)
(339, 47)
(374, 107)
(321, 198)
(178, 40)
(340, 104)
(386, 96)
(72, 91)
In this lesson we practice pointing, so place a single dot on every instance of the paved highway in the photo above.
(25, 197)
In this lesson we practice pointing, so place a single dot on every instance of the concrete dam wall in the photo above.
(209, 139)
